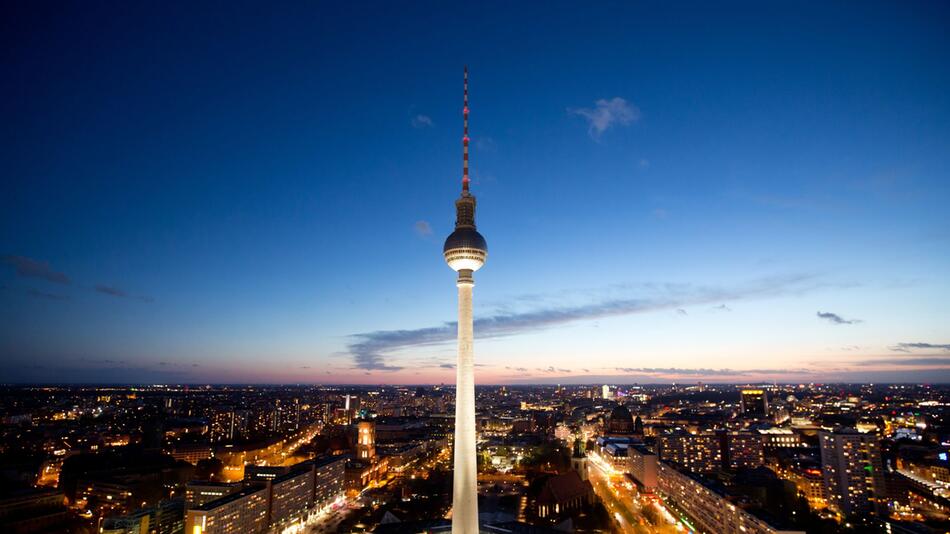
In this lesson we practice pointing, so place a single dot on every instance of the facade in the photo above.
(465, 251)
(742, 450)
(780, 438)
(642, 466)
(242, 512)
(710, 510)
(366, 440)
(697, 453)
(274, 504)
(853, 471)
(564, 493)
(754, 402)
(166, 518)
(620, 422)
(200, 492)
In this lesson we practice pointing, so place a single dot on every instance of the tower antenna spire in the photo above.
(465, 179)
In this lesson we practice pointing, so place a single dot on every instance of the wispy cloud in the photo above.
(681, 311)
(836, 319)
(605, 114)
(421, 121)
(30, 268)
(677, 371)
(36, 293)
(423, 228)
(907, 347)
(926, 361)
(113, 291)
(370, 350)
(722, 307)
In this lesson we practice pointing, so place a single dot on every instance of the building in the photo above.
(291, 497)
(465, 251)
(620, 422)
(754, 402)
(742, 450)
(697, 453)
(579, 459)
(200, 491)
(853, 471)
(780, 438)
(642, 466)
(277, 503)
(192, 453)
(564, 493)
(605, 391)
(708, 506)
(166, 518)
(33, 510)
(366, 440)
(244, 511)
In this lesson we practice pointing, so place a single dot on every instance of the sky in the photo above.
(671, 192)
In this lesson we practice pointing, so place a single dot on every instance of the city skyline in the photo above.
(674, 196)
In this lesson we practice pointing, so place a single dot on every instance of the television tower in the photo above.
(465, 251)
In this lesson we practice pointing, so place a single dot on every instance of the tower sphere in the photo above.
(465, 248)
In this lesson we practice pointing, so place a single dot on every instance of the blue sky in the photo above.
(221, 193)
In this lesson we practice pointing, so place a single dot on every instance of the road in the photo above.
(622, 501)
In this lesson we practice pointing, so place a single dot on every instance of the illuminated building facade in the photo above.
(697, 453)
(853, 471)
(708, 508)
(366, 440)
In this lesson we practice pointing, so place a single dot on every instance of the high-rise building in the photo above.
(605, 391)
(742, 450)
(754, 402)
(853, 471)
(697, 453)
(642, 466)
(465, 251)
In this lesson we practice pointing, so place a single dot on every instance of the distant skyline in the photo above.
(729, 193)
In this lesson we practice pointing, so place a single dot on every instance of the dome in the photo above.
(465, 238)
(465, 248)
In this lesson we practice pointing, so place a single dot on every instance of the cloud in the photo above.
(30, 268)
(722, 307)
(836, 319)
(423, 228)
(681, 311)
(370, 349)
(605, 114)
(113, 291)
(940, 361)
(421, 121)
(36, 293)
(907, 347)
(701, 372)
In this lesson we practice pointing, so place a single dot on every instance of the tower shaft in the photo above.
(465, 476)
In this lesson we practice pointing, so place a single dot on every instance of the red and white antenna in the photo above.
(465, 179)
